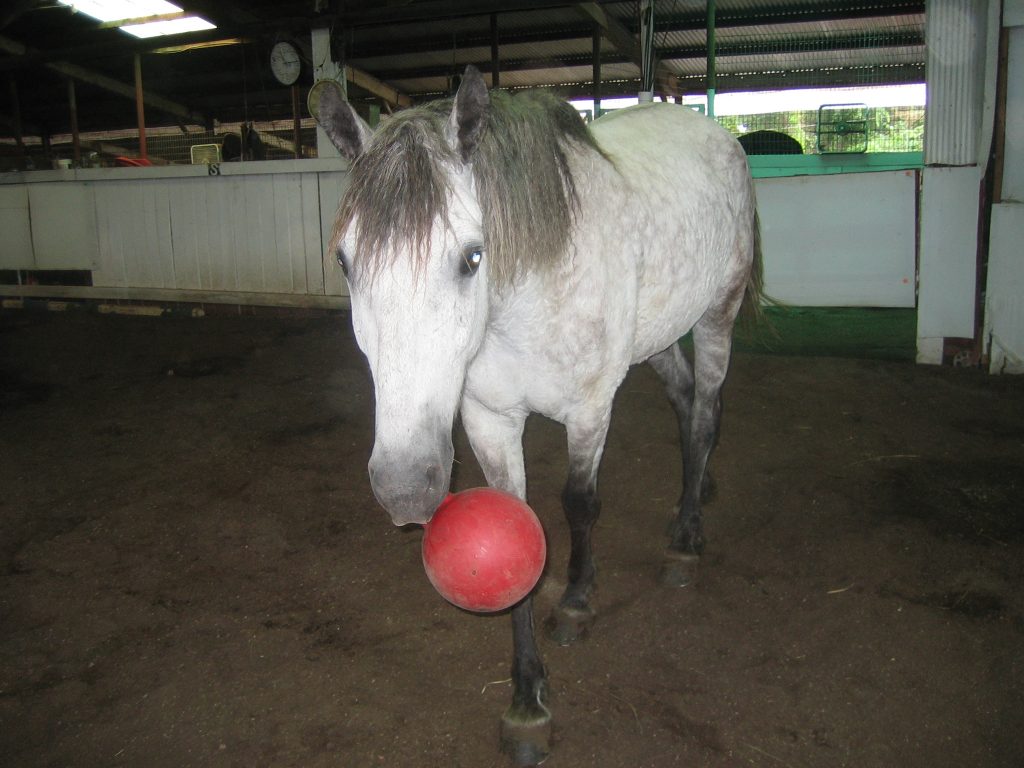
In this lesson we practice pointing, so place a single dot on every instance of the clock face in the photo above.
(285, 63)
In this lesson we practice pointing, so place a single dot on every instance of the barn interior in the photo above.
(230, 92)
(193, 567)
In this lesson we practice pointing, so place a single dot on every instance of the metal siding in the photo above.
(955, 32)
(16, 226)
(1004, 299)
(949, 248)
(254, 233)
(331, 188)
(63, 223)
(1013, 159)
(188, 271)
(312, 245)
(860, 251)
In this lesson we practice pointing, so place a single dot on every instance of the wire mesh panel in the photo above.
(271, 140)
(884, 129)
(803, 48)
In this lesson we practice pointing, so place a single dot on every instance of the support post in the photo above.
(325, 68)
(495, 59)
(19, 138)
(647, 86)
(597, 71)
(76, 144)
(712, 74)
(296, 123)
(140, 108)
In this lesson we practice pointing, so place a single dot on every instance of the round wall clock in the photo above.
(285, 62)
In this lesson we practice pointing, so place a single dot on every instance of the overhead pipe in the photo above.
(712, 73)
(296, 123)
(76, 144)
(646, 51)
(140, 109)
(495, 58)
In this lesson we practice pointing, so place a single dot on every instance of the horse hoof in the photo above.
(567, 625)
(525, 737)
(679, 569)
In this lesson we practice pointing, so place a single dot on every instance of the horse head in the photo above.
(410, 240)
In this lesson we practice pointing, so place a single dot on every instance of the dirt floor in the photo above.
(195, 573)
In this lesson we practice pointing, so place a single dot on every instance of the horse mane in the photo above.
(399, 187)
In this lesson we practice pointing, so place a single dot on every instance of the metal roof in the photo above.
(419, 47)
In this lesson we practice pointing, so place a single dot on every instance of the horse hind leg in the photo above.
(571, 619)
(676, 374)
(697, 400)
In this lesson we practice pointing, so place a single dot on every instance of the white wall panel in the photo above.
(839, 240)
(254, 233)
(332, 186)
(843, 240)
(1013, 162)
(63, 225)
(1004, 302)
(16, 239)
(313, 246)
(949, 248)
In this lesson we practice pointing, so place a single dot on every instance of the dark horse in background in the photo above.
(504, 259)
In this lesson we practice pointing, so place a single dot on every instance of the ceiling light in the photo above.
(172, 27)
(135, 14)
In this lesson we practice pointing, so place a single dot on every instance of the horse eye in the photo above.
(471, 258)
(342, 262)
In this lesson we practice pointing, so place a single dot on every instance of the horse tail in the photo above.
(754, 297)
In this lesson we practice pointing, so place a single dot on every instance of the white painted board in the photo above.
(63, 216)
(1013, 158)
(332, 186)
(15, 229)
(949, 252)
(1004, 304)
(839, 240)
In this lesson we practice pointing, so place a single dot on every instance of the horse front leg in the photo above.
(526, 724)
(573, 616)
(497, 441)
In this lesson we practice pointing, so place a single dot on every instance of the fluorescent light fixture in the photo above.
(172, 27)
(138, 10)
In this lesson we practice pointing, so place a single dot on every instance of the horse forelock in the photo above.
(398, 188)
(401, 186)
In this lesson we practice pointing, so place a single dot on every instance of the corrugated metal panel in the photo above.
(63, 225)
(949, 248)
(255, 233)
(17, 228)
(860, 251)
(1004, 300)
(955, 30)
(553, 47)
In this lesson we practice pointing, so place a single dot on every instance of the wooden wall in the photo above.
(244, 231)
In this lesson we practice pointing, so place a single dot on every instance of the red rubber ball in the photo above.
(484, 550)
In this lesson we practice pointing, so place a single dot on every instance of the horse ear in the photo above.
(469, 115)
(346, 130)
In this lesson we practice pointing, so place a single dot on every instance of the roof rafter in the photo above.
(107, 83)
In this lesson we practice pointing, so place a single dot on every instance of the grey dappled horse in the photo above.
(505, 259)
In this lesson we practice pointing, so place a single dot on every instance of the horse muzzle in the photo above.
(411, 488)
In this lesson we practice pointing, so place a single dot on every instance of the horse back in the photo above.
(689, 185)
